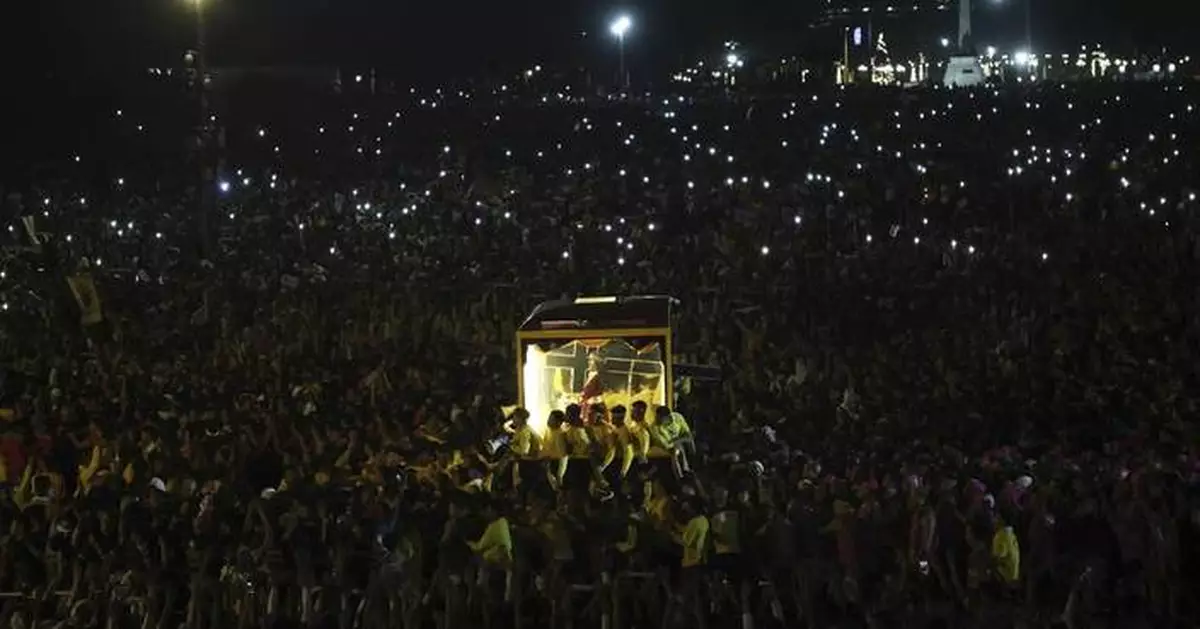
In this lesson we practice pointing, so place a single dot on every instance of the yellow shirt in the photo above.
(674, 429)
(496, 546)
(23, 493)
(636, 444)
(609, 439)
(1007, 554)
(605, 434)
(87, 472)
(578, 442)
(695, 542)
(554, 446)
(524, 442)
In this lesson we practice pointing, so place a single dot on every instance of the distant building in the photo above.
(912, 27)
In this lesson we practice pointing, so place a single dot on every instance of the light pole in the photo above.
(1029, 24)
(619, 27)
(846, 55)
(201, 59)
(964, 23)
(204, 140)
(733, 61)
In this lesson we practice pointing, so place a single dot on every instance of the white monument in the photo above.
(963, 71)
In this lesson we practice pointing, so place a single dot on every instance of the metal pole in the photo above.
(1029, 26)
(871, 43)
(846, 55)
(624, 79)
(202, 60)
(205, 193)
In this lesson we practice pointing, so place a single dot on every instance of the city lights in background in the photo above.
(709, 146)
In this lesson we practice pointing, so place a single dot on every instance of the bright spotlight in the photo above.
(991, 51)
(945, 42)
(621, 25)
(732, 59)
(1022, 57)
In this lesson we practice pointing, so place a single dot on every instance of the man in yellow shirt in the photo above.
(634, 440)
(554, 448)
(671, 433)
(605, 437)
(694, 537)
(607, 441)
(726, 534)
(579, 449)
(694, 540)
(1006, 553)
(524, 445)
(495, 547)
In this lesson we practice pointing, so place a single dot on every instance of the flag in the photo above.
(84, 289)
(30, 223)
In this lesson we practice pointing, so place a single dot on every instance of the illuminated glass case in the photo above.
(615, 350)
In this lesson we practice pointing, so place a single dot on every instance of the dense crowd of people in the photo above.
(956, 332)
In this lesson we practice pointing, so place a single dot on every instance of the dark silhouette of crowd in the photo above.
(956, 333)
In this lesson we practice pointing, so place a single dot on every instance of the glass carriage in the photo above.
(615, 350)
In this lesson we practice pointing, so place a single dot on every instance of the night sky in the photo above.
(101, 38)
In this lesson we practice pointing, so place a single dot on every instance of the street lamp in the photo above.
(945, 42)
(201, 41)
(619, 27)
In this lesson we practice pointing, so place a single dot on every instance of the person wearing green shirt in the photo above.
(694, 538)
(1006, 553)
(495, 547)
(672, 433)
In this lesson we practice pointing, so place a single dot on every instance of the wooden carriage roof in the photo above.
(596, 313)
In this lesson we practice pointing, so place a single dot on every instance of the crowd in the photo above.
(956, 333)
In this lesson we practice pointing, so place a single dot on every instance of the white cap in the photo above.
(158, 484)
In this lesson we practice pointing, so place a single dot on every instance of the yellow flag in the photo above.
(88, 298)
